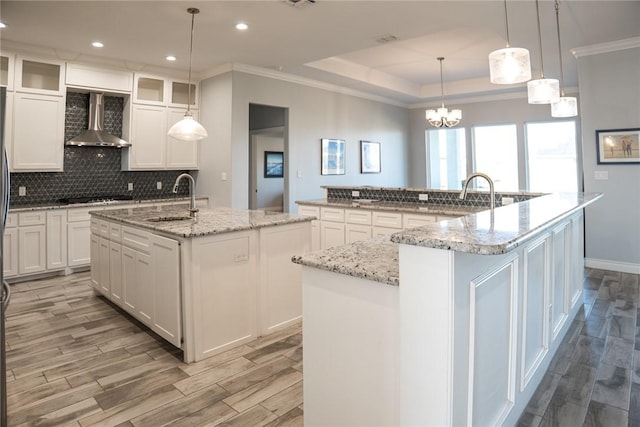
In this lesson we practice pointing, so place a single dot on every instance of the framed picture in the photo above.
(273, 164)
(369, 157)
(618, 146)
(332, 156)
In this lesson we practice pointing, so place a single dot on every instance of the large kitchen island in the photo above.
(205, 284)
(451, 323)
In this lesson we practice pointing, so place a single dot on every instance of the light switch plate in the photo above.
(223, 176)
(130, 186)
(22, 191)
(507, 201)
(601, 175)
(355, 193)
(159, 185)
(423, 196)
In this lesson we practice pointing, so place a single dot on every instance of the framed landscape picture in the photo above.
(618, 146)
(273, 164)
(369, 157)
(332, 156)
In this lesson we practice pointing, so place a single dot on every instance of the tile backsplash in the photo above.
(92, 171)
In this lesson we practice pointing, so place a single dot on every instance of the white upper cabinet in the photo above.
(148, 138)
(39, 76)
(156, 90)
(6, 70)
(38, 133)
(92, 77)
(179, 94)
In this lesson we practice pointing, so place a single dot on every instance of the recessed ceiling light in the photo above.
(97, 44)
(170, 58)
(241, 26)
(3, 25)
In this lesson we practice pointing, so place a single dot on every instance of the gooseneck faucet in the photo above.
(193, 210)
(463, 193)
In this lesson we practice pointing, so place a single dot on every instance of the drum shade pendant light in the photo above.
(542, 90)
(189, 129)
(442, 116)
(567, 106)
(511, 64)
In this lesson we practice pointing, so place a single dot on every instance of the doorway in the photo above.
(267, 157)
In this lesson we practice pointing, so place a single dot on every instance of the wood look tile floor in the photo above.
(594, 378)
(75, 360)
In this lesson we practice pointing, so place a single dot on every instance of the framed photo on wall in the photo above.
(618, 146)
(332, 156)
(273, 164)
(369, 157)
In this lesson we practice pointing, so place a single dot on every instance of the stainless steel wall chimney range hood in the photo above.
(95, 136)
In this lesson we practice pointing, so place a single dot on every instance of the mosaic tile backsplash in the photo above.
(92, 171)
(435, 197)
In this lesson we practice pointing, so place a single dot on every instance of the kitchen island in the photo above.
(454, 323)
(205, 284)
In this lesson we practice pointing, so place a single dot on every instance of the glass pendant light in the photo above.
(188, 129)
(442, 116)
(542, 90)
(511, 64)
(567, 106)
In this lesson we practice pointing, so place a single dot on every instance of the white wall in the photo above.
(313, 114)
(610, 99)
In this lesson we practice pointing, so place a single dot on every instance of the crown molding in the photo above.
(596, 49)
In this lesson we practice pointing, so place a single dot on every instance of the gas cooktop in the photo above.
(93, 199)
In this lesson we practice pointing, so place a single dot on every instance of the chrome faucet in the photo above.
(193, 210)
(463, 193)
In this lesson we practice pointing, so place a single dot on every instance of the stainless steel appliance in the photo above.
(4, 291)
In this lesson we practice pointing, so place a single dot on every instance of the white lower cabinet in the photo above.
(56, 239)
(95, 262)
(166, 289)
(10, 252)
(104, 270)
(78, 232)
(356, 232)
(115, 272)
(331, 234)
(32, 238)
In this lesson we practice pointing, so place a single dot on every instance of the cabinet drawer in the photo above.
(332, 214)
(95, 226)
(136, 239)
(103, 228)
(446, 217)
(411, 221)
(79, 214)
(12, 220)
(32, 218)
(357, 216)
(309, 211)
(115, 232)
(387, 219)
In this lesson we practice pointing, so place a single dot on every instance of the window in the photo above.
(551, 156)
(447, 158)
(495, 150)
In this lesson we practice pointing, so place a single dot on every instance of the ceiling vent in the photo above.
(299, 3)
(386, 38)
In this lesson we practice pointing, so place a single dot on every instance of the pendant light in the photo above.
(511, 64)
(188, 129)
(542, 90)
(567, 106)
(442, 116)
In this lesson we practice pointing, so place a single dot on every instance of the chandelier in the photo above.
(188, 129)
(442, 116)
(567, 106)
(542, 91)
(511, 64)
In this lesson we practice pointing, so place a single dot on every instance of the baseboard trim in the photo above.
(603, 264)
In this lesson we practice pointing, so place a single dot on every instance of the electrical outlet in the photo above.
(507, 201)
(423, 196)
(223, 176)
(299, 174)
(355, 193)
(130, 186)
(159, 185)
(22, 191)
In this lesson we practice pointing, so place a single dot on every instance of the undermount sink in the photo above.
(169, 218)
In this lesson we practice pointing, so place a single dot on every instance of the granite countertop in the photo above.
(393, 206)
(500, 231)
(15, 207)
(209, 221)
(486, 233)
(375, 259)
